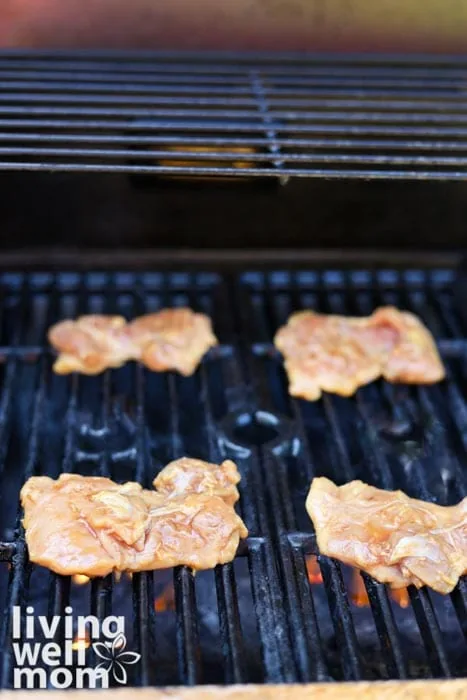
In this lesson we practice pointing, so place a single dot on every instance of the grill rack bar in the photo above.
(401, 118)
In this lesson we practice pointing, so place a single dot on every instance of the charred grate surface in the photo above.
(275, 613)
(234, 115)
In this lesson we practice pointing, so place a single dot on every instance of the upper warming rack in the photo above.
(234, 115)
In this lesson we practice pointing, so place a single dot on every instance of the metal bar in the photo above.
(320, 85)
(101, 597)
(188, 647)
(59, 599)
(150, 124)
(459, 601)
(195, 102)
(238, 172)
(303, 93)
(105, 82)
(221, 155)
(343, 465)
(143, 597)
(142, 601)
(225, 142)
(142, 455)
(457, 408)
(229, 625)
(314, 118)
(104, 460)
(386, 627)
(342, 618)
(75, 93)
(308, 648)
(211, 85)
(430, 632)
(274, 671)
(447, 108)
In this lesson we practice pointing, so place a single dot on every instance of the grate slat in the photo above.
(189, 657)
(386, 626)
(342, 618)
(430, 631)
(229, 623)
(142, 600)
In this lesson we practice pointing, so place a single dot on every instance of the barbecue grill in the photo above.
(160, 127)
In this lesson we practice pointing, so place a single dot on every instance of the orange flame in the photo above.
(80, 579)
(358, 593)
(312, 569)
(81, 642)
(401, 597)
(166, 600)
(359, 596)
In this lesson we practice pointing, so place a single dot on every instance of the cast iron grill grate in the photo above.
(233, 115)
(264, 617)
(412, 438)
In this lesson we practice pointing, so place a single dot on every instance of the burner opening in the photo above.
(256, 429)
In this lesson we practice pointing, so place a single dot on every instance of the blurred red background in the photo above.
(368, 25)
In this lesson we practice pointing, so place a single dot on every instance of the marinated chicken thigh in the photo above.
(171, 339)
(394, 538)
(339, 354)
(93, 526)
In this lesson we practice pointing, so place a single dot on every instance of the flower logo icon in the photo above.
(115, 658)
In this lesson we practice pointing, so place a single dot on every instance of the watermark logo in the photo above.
(47, 663)
(116, 658)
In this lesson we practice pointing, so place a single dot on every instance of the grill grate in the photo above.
(259, 619)
(412, 438)
(233, 115)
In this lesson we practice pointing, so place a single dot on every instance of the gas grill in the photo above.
(280, 613)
